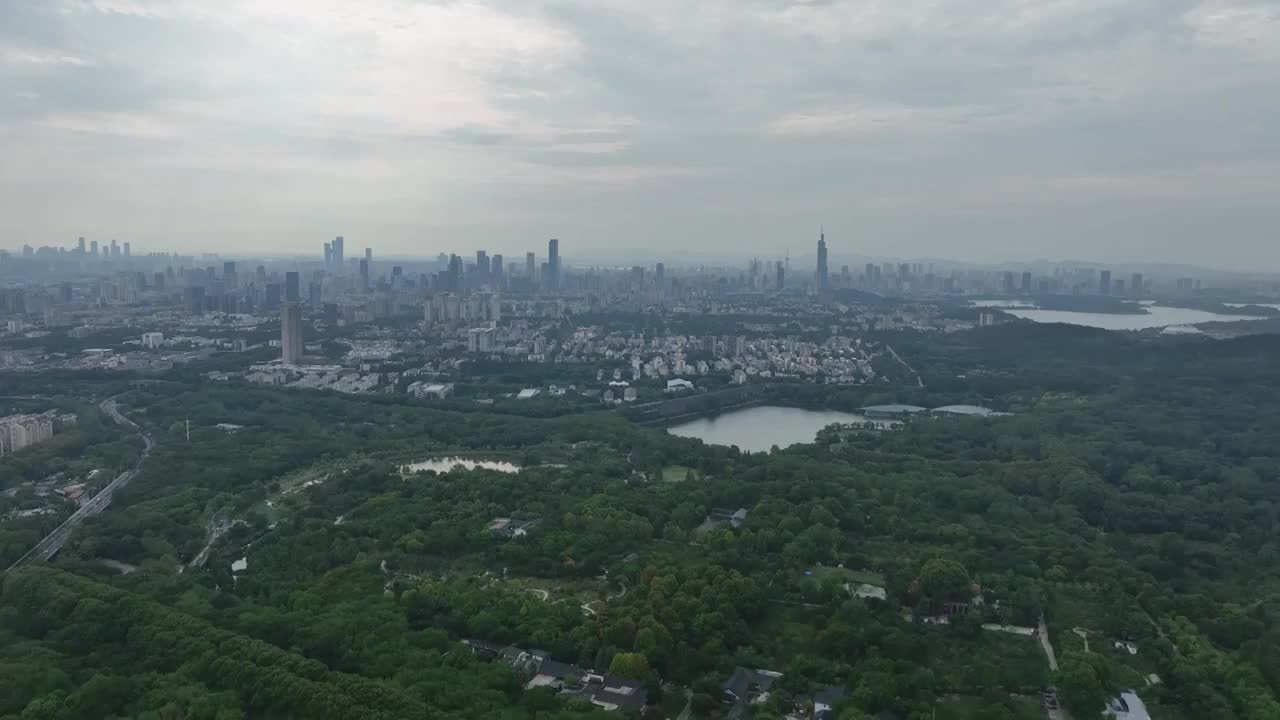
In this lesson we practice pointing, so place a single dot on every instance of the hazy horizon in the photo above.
(988, 131)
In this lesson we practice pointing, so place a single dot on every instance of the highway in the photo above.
(53, 542)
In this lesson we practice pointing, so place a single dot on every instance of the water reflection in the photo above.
(758, 429)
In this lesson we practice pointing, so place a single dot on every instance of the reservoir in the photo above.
(1155, 317)
(444, 465)
(758, 429)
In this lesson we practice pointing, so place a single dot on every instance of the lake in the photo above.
(444, 465)
(1157, 316)
(758, 429)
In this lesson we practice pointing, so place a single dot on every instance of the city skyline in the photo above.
(331, 257)
(990, 130)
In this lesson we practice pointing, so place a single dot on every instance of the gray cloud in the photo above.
(992, 129)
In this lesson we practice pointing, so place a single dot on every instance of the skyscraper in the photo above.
(126, 250)
(822, 261)
(454, 274)
(530, 265)
(552, 281)
(1026, 283)
(291, 334)
(93, 248)
(328, 256)
(364, 275)
(335, 252)
(195, 299)
(292, 290)
(781, 275)
(1136, 287)
(229, 274)
(1104, 283)
(80, 246)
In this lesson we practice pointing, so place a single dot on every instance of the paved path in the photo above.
(896, 356)
(1084, 635)
(53, 542)
(217, 527)
(1043, 632)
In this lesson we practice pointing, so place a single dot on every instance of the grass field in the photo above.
(1014, 663)
(679, 473)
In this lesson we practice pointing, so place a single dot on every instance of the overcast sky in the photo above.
(981, 129)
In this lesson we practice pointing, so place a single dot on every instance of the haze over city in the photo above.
(982, 130)
(639, 359)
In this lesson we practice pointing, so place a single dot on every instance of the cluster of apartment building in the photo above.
(23, 431)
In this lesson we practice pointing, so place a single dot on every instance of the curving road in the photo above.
(54, 541)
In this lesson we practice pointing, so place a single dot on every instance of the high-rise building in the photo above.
(781, 275)
(195, 299)
(364, 275)
(1026, 283)
(93, 248)
(1104, 283)
(126, 250)
(530, 266)
(454, 274)
(292, 287)
(328, 255)
(80, 246)
(335, 253)
(272, 296)
(659, 273)
(822, 261)
(1136, 287)
(552, 279)
(291, 345)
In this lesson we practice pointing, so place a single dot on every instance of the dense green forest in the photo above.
(1132, 495)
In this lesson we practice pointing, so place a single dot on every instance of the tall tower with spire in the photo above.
(822, 260)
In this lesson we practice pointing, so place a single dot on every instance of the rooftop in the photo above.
(1128, 706)
(894, 409)
(963, 410)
